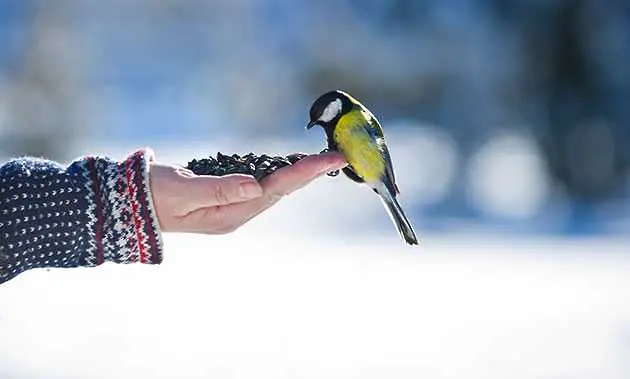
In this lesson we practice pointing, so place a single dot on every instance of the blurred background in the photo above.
(510, 115)
(509, 127)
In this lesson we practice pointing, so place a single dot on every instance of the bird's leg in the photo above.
(331, 173)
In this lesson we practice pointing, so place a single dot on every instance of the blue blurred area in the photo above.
(518, 110)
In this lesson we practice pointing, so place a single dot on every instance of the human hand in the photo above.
(185, 202)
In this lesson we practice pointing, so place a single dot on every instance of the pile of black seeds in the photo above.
(259, 166)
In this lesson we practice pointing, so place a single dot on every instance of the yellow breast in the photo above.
(361, 150)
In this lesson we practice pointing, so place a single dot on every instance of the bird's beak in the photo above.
(311, 124)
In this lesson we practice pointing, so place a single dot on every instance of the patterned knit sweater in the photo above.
(93, 211)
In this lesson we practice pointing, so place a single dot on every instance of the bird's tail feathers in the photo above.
(397, 215)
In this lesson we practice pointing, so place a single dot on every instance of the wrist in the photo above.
(144, 220)
(122, 215)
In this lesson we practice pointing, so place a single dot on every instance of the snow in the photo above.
(245, 306)
(303, 292)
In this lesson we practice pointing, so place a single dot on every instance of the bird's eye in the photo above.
(331, 111)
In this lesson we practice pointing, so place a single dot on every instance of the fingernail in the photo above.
(250, 190)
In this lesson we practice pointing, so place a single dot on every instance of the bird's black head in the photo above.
(328, 108)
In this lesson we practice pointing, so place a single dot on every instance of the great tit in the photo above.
(354, 131)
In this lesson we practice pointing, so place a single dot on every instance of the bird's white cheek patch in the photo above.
(331, 111)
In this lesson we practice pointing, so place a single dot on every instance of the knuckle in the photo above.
(221, 194)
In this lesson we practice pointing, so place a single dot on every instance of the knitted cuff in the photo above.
(94, 211)
(121, 213)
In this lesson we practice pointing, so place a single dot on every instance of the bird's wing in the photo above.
(375, 129)
(389, 169)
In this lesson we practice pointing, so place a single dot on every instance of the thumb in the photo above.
(210, 191)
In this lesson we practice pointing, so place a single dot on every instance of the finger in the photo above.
(281, 183)
(210, 191)
(291, 178)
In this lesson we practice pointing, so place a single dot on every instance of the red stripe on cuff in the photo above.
(131, 186)
(141, 185)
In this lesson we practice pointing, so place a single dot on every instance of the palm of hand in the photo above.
(185, 202)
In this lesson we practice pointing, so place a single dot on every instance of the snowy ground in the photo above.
(223, 307)
(294, 294)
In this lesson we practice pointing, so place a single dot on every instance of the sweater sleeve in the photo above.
(92, 211)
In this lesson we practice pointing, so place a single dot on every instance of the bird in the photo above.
(354, 131)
